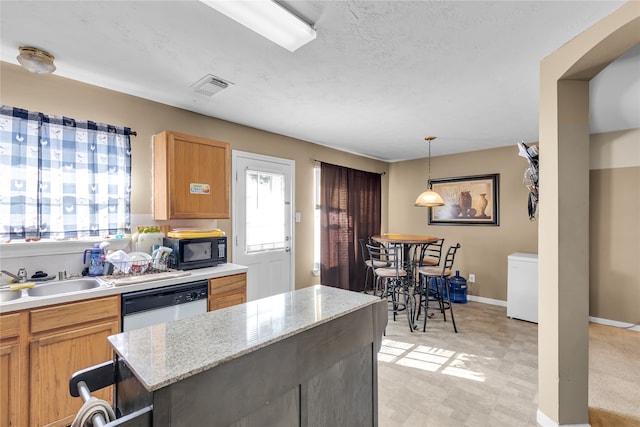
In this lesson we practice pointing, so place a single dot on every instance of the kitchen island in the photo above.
(306, 357)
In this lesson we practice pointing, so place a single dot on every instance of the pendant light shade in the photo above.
(429, 198)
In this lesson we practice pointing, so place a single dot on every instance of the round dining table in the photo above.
(406, 240)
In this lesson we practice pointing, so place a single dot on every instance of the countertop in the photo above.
(27, 301)
(163, 354)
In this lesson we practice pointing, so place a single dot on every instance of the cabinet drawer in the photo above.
(72, 314)
(226, 301)
(10, 325)
(227, 285)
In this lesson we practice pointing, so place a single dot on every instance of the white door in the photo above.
(262, 222)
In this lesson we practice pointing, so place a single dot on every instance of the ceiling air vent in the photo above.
(209, 85)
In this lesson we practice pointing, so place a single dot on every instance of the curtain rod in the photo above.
(320, 161)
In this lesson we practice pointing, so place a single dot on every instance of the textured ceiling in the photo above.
(380, 76)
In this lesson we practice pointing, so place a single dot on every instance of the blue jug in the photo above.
(96, 260)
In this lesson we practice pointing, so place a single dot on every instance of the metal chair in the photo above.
(431, 253)
(434, 286)
(395, 278)
(427, 254)
(369, 264)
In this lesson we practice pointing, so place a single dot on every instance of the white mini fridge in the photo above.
(522, 286)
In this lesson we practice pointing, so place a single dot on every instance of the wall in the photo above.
(615, 233)
(614, 270)
(484, 249)
(614, 227)
(59, 96)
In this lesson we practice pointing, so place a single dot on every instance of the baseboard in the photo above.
(545, 421)
(624, 325)
(487, 300)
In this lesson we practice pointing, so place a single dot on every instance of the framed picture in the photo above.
(468, 200)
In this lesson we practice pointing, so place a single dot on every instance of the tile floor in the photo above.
(486, 375)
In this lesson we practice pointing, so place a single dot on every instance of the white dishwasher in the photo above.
(522, 286)
(160, 305)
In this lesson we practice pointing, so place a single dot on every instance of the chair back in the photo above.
(389, 255)
(447, 265)
(431, 253)
(364, 252)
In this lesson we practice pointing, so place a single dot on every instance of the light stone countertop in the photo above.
(163, 354)
(106, 289)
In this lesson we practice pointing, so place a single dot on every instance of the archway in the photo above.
(563, 243)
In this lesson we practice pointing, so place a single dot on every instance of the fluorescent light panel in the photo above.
(268, 19)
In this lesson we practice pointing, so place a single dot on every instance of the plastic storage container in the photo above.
(144, 241)
(458, 288)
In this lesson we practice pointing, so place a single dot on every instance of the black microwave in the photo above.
(197, 252)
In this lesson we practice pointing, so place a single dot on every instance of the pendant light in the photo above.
(429, 198)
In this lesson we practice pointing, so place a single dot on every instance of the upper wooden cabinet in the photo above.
(191, 177)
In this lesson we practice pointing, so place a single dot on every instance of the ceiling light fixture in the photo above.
(269, 19)
(35, 60)
(429, 198)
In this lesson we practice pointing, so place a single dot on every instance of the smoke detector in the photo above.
(209, 85)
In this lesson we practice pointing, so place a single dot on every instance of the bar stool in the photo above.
(434, 286)
(369, 264)
(426, 254)
(431, 253)
(395, 278)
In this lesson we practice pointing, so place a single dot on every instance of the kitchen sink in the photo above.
(63, 287)
(9, 295)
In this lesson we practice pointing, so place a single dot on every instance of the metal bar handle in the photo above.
(85, 394)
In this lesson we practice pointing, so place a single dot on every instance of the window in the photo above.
(62, 178)
(316, 221)
(265, 218)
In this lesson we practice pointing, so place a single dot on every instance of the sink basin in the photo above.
(9, 295)
(63, 287)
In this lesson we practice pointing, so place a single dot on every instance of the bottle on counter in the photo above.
(96, 260)
(145, 238)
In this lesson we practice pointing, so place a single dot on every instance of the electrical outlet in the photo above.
(472, 278)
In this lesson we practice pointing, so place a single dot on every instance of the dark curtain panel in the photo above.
(350, 210)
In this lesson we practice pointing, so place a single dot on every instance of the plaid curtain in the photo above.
(61, 177)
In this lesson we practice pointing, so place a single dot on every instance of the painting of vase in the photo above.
(468, 200)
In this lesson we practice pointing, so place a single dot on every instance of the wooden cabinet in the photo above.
(191, 177)
(64, 339)
(13, 385)
(227, 291)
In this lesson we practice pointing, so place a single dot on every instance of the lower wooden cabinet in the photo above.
(52, 344)
(227, 291)
(13, 396)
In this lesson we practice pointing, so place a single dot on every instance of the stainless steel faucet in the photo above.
(21, 277)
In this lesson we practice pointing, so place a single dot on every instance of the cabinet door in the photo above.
(54, 358)
(192, 177)
(227, 291)
(12, 385)
(9, 383)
